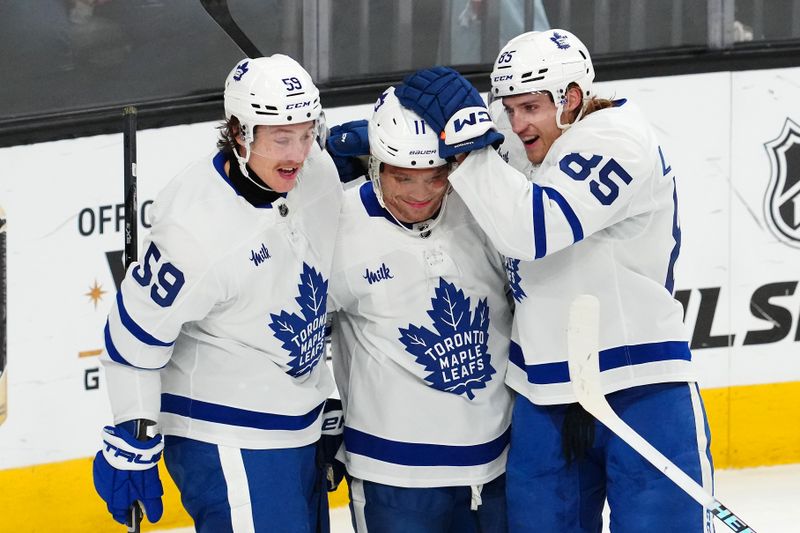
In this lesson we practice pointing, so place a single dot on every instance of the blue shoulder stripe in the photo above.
(135, 329)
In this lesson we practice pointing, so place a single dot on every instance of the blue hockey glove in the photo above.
(346, 142)
(329, 443)
(452, 107)
(125, 471)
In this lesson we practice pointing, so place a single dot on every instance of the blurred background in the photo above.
(67, 63)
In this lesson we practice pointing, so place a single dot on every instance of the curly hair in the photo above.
(228, 131)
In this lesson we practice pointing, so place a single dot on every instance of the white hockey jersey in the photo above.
(420, 346)
(599, 216)
(218, 330)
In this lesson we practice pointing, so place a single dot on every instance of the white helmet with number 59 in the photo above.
(270, 91)
(543, 61)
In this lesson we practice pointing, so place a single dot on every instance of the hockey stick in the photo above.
(584, 370)
(131, 253)
(219, 11)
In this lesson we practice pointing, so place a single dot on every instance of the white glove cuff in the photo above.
(467, 124)
(123, 455)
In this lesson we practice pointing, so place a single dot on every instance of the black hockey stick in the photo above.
(219, 11)
(131, 253)
(584, 372)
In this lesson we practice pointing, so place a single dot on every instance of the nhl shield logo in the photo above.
(782, 201)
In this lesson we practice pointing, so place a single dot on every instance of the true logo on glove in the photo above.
(134, 458)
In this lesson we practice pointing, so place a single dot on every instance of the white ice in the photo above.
(766, 498)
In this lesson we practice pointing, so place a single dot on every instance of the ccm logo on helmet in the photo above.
(298, 105)
(502, 78)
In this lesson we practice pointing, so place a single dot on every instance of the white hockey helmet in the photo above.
(400, 137)
(543, 61)
(270, 91)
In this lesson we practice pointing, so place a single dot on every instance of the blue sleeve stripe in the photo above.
(621, 356)
(419, 454)
(114, 354)
(515, 355)
(234, 416)
(676, 234)
(134, 328)
(539, 232)
(569, 214)
(112, 350)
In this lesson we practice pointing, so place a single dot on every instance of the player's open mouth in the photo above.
(529, 142)
(288, 173)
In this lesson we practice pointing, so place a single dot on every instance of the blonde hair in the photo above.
(589, 106)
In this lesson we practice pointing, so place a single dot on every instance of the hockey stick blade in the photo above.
(584, 369)
(221, 13)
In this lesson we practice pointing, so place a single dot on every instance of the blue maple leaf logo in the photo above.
(241, 70)
(304, 336)
(560, 40)
(514, 279)
(456, 354)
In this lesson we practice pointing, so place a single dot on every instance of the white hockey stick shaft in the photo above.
(584, 370)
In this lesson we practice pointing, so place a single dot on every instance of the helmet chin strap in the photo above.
(243, 167)
(560, 109)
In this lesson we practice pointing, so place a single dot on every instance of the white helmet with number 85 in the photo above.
(542, 61)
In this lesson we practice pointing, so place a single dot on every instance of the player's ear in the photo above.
(574, 99)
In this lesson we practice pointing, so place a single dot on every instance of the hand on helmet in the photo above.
(452, 107)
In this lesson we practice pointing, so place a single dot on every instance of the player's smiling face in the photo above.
(278, 153)
(413, 194)
(533, 119)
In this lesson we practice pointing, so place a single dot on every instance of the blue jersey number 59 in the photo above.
(169, 279)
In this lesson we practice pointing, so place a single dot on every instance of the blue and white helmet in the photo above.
(543, 61)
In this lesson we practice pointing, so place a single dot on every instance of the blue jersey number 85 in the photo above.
(169, 279)
(605, 186)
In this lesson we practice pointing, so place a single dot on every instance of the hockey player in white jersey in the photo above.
(597, 215)
(217, 333)
(420, 342)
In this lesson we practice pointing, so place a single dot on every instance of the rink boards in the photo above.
(731, 137)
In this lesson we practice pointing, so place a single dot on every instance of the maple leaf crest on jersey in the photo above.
(304, 336)
(514, 279)
(455, 354)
